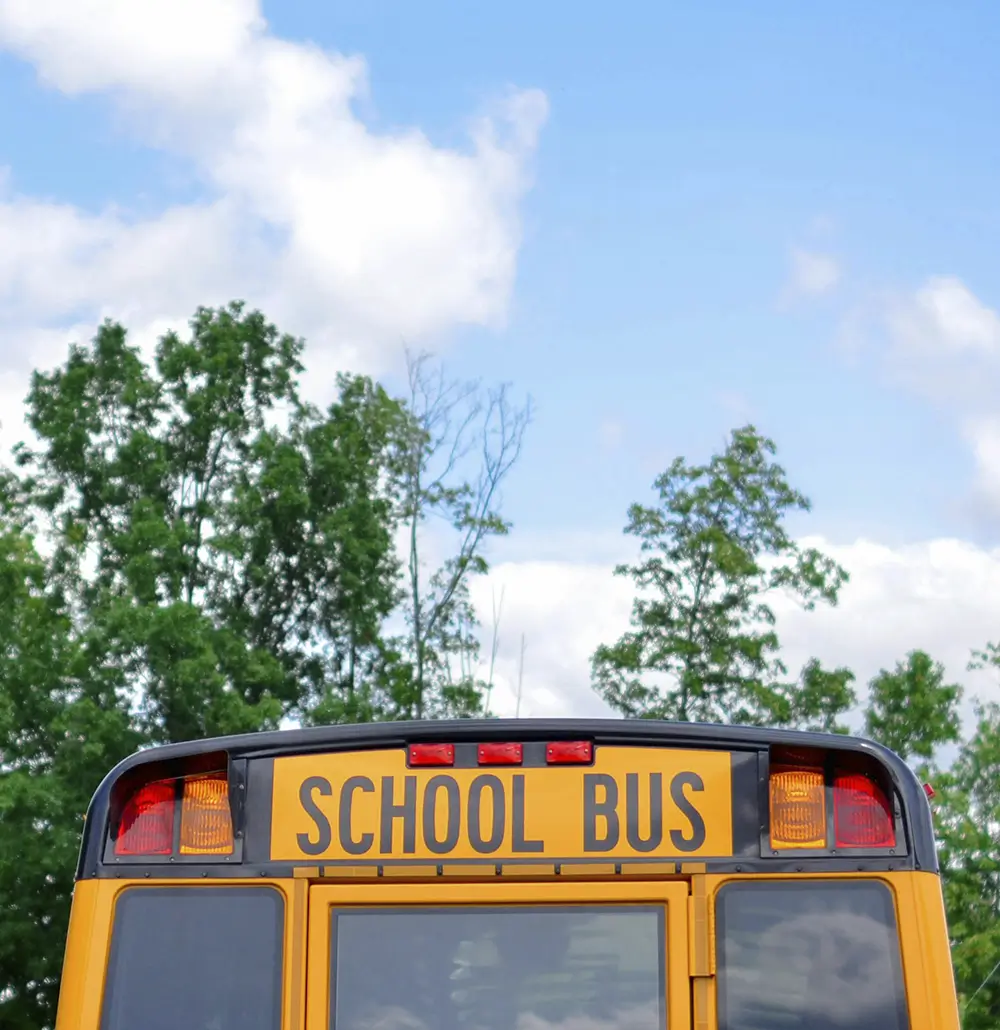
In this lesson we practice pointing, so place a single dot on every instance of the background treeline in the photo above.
(188, 548)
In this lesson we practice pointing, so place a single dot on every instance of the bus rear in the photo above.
(510, 875)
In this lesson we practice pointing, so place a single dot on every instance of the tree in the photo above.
(61, 728)
(967, 805)
(703, 644)
(912, 710)
(819, 699)
(230, 545)
(219, 555)
(462, 443)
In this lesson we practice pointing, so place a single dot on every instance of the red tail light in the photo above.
(569, 752)
(432, 754)
(862, 814)
(500, 754)
(147, 823)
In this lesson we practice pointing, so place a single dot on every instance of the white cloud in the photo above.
(173, 47)
(356, 239)
(942, 596)
(983, 436)
(812, 274)
(563, 610)
(943, 342)
(944, 317)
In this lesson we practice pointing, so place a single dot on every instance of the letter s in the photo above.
(309, 806)
(697, 838)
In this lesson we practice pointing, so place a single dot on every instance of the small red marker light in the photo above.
(929, 790)
(432, 754)
(569, 752)
(500, 754)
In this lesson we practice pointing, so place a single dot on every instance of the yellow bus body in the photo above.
(362, 830)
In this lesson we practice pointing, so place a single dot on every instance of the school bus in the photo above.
(510, 875)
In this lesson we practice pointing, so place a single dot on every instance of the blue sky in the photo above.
(688, 148)
(638, 240)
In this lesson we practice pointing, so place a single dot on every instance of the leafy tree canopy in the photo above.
(191, 549)
(713, 551)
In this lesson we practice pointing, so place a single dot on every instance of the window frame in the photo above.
(115, 942)
(658, 912)
(325, 900)
(801, 884)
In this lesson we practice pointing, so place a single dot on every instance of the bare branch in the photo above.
(464, 443)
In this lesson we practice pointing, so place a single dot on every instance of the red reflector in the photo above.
(861, 813)
(929, 790)
(500, 754)
(569, 752)
(432, 754)
(147, 823)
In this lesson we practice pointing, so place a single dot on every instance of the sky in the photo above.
(660, 221)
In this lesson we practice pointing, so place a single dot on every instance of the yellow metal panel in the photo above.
(350, 872)
(700, 943)
(633, 802)
(524, 870)
(482, 872)
(927, 968)
(587, 869)
(649, 868)
(923, 935)
(412, 872)
(86, 943)
(89, 944)
(703, 998)
(295, 964)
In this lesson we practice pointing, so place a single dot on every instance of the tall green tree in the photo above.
(713, 551)
(967, 815)
(231, 545)
(219, 555)
(62, 725)
(912, 710)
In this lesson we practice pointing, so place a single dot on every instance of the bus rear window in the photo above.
(499, 969)
(195, 957)
(809, 956)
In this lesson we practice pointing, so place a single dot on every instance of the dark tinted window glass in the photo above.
(809, 957)
(198, 958)
(499, 969)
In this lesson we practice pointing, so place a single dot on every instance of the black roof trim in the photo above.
(602, 731)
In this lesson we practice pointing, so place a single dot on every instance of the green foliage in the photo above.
(61, 727)
(220, 555)
(230, 546)
(703, 645)
(912, 710)
(967, 807)
(191, 549)
(819, 699)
